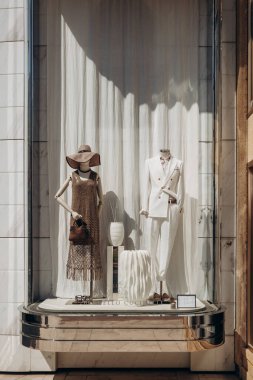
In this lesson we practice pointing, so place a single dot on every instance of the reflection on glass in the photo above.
(125, 79)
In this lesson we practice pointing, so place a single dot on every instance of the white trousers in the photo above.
(162, 236)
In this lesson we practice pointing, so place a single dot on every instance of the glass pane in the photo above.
(123, 79)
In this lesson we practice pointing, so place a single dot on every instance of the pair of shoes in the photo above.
(156, 298)
(82, 300)
(166, 298)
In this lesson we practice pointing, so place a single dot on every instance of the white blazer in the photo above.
(155, 201)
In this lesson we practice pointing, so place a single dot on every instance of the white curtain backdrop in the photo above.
(123, 78)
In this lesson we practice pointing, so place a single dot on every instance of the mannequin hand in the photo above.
(75, 215)
(144, 212)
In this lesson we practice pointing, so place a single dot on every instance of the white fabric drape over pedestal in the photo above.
(123, 78)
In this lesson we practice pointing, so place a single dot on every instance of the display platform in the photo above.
(104, 305)
(154, 329)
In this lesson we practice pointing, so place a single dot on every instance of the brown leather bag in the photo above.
(79, 233)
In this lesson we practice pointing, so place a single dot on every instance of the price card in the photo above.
(186, 300)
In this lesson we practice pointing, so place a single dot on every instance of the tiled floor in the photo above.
(126, 374)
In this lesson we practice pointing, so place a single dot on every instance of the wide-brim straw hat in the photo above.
(84, 155)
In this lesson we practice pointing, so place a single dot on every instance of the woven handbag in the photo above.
(79, 233)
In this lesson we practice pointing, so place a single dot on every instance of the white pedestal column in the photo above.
(109, 287)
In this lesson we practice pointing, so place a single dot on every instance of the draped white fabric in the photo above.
(123, 78)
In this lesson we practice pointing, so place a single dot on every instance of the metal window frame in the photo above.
(216, 131)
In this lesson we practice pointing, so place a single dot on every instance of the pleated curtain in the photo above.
(123, 78)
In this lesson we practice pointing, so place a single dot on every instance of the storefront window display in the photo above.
(129, 146)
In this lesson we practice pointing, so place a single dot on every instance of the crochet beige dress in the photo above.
(83, 258)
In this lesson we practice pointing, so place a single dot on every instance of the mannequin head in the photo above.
(165, 153)
(84, 166)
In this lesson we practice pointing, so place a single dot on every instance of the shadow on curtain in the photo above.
(123, 78)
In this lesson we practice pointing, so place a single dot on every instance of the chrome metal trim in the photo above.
(30, 91)
(100, 332)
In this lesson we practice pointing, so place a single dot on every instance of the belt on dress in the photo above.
(172, 200)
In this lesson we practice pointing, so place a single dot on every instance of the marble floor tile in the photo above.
(12, 221)
(217, 376)
(35, 376)
(13, 356)
(12, 254)
(116, 372)
(12, 90)
(12, 24)
(11, 4)
(11, 123)
(186, 375)
(11, 376)
(9, 318)
(12, 287)
(12, 156)
(140, 374)
(125, 360)
(127, 377)
(12, 57)
(12, 188)
(122, 375)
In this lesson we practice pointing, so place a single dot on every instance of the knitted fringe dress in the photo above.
(84, 257)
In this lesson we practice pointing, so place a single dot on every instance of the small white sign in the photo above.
(186, 300)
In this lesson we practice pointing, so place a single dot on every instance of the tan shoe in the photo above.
(166, 298)
(156, 298)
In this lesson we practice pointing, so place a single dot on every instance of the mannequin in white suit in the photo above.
(162, 202)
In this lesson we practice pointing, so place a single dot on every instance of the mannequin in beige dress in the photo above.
(84, 258)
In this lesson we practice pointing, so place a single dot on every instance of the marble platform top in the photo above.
(104, 305)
